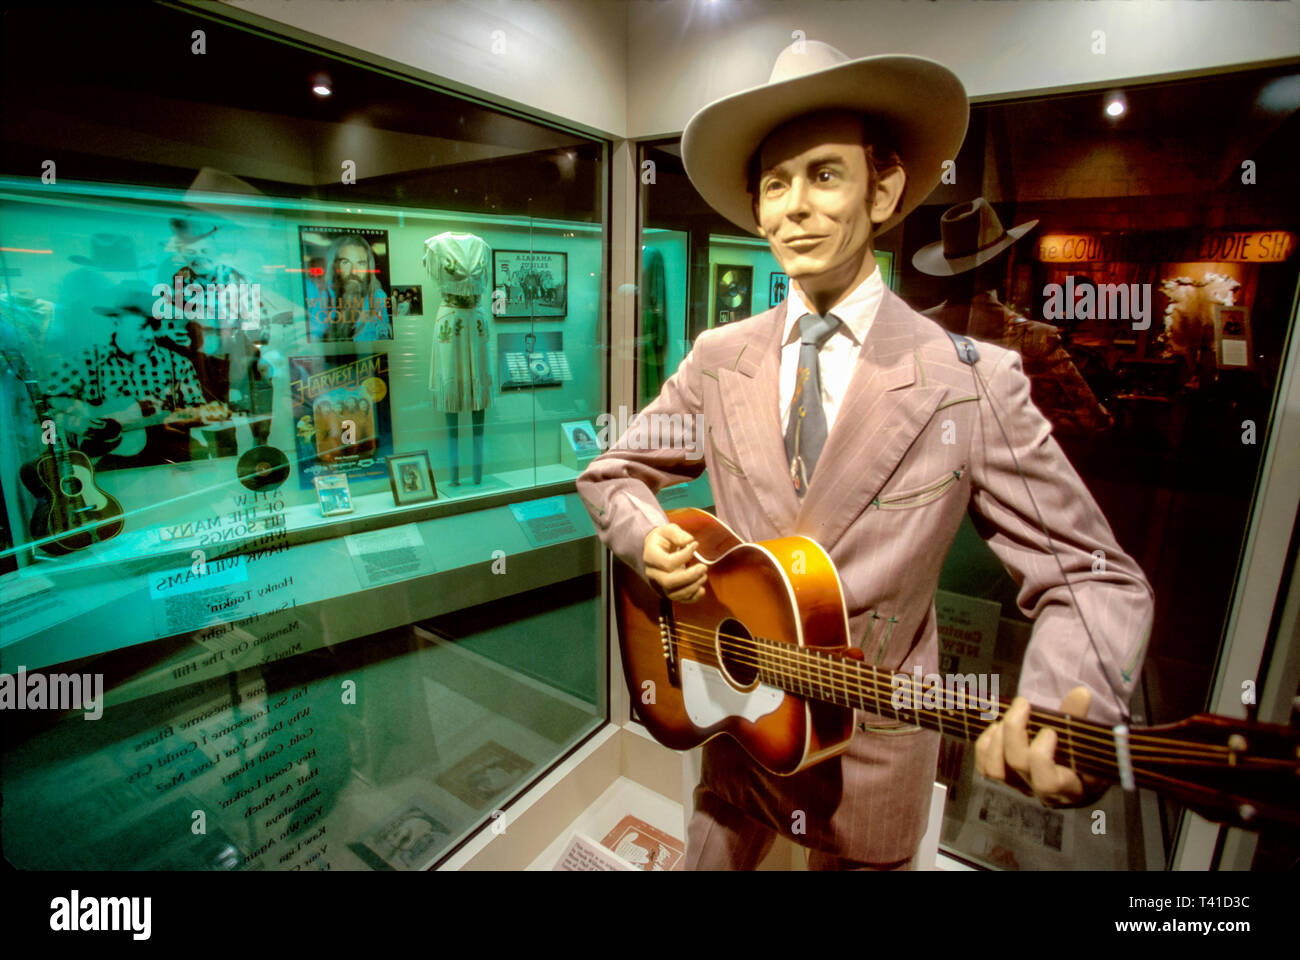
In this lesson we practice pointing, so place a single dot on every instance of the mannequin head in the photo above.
(821, 186)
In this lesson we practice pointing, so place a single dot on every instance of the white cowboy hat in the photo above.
(921, 102)
(972, 234)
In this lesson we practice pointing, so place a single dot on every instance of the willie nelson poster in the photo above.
(345, 283)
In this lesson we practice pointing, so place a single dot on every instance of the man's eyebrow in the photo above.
(816, 161)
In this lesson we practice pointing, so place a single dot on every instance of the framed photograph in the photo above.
(778, 285)
(407, 840)
(411, 477)
(485, 774)
(333, 493)
(579, 443)
(732, 288)
(1234, 346)
(582, 437)
(533, 284)
(407, 301)
(532, 360)
(344, 281)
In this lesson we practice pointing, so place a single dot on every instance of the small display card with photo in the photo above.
(578, 443)
(333, 493)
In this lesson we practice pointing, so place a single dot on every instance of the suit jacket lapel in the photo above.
(883, 410)
(750, 392)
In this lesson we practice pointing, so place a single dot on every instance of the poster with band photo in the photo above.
(533, 283)
(342, 422)
(345, 283)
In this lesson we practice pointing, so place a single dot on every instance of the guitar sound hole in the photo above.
(738, 657)
(70, 486)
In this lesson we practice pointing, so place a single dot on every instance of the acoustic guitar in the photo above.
(72, 511)
(127, 428)
(72, 508)
(765, 657)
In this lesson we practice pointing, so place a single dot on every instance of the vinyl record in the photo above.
(263, 467)
(732, 289)
(540, 369)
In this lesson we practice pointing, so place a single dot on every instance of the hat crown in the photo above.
(804, 57)
(968, 228)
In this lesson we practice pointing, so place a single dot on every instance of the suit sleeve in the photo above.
(1078, 550)
(659, 449)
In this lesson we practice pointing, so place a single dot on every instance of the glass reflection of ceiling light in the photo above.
(320, 85)
(1280, 95)
(1116, 106)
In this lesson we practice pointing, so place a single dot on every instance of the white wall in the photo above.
(640, 68)
(686, 53)
(563, 58)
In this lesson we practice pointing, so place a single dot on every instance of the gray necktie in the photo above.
(805, 435)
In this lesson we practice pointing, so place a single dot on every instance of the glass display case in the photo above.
(1147, 279)
(297, 368)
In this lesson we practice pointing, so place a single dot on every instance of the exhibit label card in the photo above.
(583, 853)
(389, 556)
(544, 521)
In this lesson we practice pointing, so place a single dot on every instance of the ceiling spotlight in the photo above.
(320, 85)
(1116, 105)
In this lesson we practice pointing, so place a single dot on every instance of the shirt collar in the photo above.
(856, 311)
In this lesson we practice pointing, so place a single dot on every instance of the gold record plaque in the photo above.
(732, 288)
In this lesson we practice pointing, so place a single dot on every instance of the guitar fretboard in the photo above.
(956, 707)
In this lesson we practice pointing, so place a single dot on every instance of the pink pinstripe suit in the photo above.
(885, 502)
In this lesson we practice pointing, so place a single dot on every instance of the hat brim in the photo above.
(922, 103)
(930, 259)
(87, 262)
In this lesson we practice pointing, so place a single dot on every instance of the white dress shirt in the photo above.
(839, 354)
(837, 359)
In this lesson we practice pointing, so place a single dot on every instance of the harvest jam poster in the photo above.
(345, 283)
(341, 415)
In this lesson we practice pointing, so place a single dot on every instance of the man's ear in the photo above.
(758, 224)
(889, 191)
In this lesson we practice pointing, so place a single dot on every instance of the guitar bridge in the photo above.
(668, 642)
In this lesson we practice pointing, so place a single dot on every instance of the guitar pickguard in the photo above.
(710, 699)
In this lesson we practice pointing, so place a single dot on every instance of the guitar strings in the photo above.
(1078, 747)
(1081, 732)
(1078, 725)
(1077, 739)
(1083, 752)
(1081, 747)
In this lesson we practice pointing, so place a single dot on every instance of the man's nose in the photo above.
(796, 207)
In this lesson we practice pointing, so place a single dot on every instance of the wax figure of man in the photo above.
(859, 462)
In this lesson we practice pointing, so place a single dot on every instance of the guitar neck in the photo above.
(954, 709)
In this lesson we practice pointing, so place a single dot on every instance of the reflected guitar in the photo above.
(765, 658)
(71, 508)
(126, 429)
